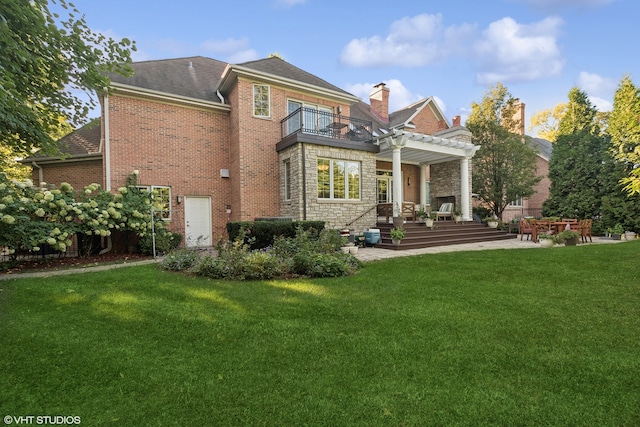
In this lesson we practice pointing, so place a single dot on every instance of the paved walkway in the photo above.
(373, 254)
(364, 254)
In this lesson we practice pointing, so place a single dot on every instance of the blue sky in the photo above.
(452, 50)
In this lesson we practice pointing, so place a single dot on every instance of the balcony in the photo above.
(309, 121)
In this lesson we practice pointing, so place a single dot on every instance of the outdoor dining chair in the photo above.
(525, 228)
(585, 230)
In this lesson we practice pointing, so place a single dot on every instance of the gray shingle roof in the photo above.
(80, 142)
(542, 146)
(194, 77)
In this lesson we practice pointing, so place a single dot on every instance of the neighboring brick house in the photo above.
(225, 142)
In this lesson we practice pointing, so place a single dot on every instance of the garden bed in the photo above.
(52, 263)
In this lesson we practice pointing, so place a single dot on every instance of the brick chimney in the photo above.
(456, 121)
(379, 100)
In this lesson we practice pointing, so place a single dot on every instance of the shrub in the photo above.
(264, 233)
(165, 242)
(260, 265)
(180, 260)
(306, 254)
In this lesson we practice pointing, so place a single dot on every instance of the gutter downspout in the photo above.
(107, 146)
(40, 172)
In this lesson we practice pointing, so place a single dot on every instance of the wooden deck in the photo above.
(418, 235)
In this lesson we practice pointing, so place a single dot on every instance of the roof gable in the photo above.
(404, 117)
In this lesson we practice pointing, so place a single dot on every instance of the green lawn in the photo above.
(503, 338)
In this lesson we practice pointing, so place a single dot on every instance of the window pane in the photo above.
(162, 201)
(338, 180)
(261, 100)
(324, 179)
(353, 171)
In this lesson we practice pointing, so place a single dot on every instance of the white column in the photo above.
(397, 180)
(423, 185)
(465, 194)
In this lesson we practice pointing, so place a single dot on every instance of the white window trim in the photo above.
(346, 182)
(253, 100)
(151, 188)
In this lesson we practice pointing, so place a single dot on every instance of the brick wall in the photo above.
(172, 145)
(78, 174)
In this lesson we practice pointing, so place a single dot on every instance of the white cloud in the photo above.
(601, 104)
(411, 42)
(510, 52)
(227, 46)
(243, 56)
(596, 84)
(598, 88)
(233, 50)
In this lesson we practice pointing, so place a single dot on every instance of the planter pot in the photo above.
(616, 236)
(546, 243)
(571, 242)
(396, 242)
(492, 224)
(458, 218)
(630, 235)
(429, 222)
(353, 250)
(345, 249)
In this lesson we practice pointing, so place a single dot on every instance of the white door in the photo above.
(197, 217)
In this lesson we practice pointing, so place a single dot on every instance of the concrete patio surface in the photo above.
(373, 254)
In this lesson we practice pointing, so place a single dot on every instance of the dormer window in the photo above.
(261, 101)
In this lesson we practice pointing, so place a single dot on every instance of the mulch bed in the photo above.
(65, 263)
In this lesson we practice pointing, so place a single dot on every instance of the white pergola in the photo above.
(399, 147)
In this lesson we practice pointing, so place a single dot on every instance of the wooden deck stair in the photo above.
(444, 233)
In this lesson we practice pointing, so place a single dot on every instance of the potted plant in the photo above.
(546, 240)
(491, 222)
(397, 234)
(457, 215)
(426, 216)
(616, 232)
(629, 235)
(346, 245)
(568, 237)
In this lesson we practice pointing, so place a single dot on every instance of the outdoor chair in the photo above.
(525, 228)
(446, 210)
(585, 230)
(409, 211)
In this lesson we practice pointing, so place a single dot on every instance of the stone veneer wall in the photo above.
(445, 181)
(336, 213)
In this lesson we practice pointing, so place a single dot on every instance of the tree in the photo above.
(46, 60)
(547, 121)
(505, 166)
(580, 167)
(624, 129)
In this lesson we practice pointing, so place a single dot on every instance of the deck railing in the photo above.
(322, 123)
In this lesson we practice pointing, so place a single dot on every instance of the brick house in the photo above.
(224, 142)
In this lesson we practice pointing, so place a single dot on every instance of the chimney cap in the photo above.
(380, 85)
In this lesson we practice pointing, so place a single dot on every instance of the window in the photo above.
(287, 180)
(161, 196)
(517, 202)
(338, 179)
(261, 101)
